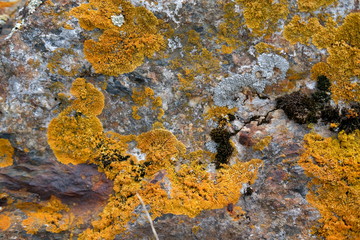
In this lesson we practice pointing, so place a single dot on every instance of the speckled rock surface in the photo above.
(41, 54)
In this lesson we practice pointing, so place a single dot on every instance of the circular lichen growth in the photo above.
(89, 100)
(120, 48)
(160, 147)
(71, 137)
(73, 134)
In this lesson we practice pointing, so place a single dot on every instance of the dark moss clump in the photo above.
(298, 107)
(348, 119)
(224, 148)
(322, 95)
(323, 84)
(306, 109)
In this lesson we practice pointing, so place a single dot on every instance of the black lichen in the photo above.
(347, 119)
(224, 148)
(298, 107)
(322, 95)
(304, 108)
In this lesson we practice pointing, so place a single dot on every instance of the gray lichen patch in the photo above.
(270, 68)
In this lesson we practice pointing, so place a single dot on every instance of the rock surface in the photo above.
(41, 48)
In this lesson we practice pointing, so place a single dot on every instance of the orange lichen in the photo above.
(7, 4)
(342, 66)
(262, 16)
(262, 143)
(89, 100)
(6, 153)
(5, 222)
(145, 98)
(57, 60)
(216, 113)
(129, 35)
(197, 63)
(228, 32)
(161, 148)
(72, 136)
(334, 166)
(191, 189)
(72, 133)
(300, 31)
(53, 215)
(312, 5)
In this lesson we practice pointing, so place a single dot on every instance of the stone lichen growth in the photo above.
(343, 45)
(5, 222)
(146, 98)
(263, 16)
(312, 5)
(334, 166)
(196, 61)
(76, 137)
(71, 135)
(166, 185)
(6, 153)
(53, 215)
(129, 34)
(269, 69)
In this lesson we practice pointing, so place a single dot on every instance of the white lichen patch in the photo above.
(174, 43)
(170, 8)
(137, 153)
(33, 4)
(118, 20)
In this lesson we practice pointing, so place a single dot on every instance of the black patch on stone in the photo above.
(298, 107)
(224, 148)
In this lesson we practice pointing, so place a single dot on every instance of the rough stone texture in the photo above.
(277, 208)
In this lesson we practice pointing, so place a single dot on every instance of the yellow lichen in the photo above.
(122, 47)
(262, 143)
(300, 31)
(312, 5)
(53, 215)
(72, 133)
(334, 166)
(5, 222)
(57, 60)
(217, 113)
(228, 32)
(342, 66)
(145, 98)
(266, 48)
(6, 153)
(262, 16)
(89, 100)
